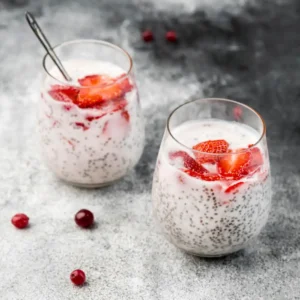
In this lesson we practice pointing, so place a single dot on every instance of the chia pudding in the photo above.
(91, 132)
(211, 188)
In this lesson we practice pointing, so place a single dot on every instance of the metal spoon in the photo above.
(44, 41)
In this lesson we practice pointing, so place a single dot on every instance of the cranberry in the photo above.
(20, 220)
(147, 36)
(77, 277)
(84, 218)
(171, 36)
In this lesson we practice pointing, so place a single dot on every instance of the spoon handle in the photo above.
(44, 41)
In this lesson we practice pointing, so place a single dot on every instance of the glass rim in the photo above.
(225, 100)
(91, 41)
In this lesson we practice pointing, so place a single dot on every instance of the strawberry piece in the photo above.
(118, 104)
(104, 129)
(67, 107)
(233, 187)
(212, 146)
(234, 165)
(64, 93)
(125, 115)
(256, 160)
(95, 80)
(188, 162)
(92, 118)
(203, 176)
(82, 125)
(100, 88)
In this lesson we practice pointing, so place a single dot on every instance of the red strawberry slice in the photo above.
(234, 165)
(212, 146)
(233, 187)
(95, 80)
(99, 88)
(64, 93)
(124, 83)
(125, 115)
(188, 162)
(82, 125)
(203, 176)
(256, 160)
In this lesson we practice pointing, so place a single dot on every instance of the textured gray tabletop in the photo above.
(245, 50)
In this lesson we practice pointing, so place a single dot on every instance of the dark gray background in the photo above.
(245, 50)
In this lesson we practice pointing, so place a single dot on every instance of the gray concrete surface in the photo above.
(245, 50)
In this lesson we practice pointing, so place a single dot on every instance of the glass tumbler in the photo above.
(92, 127)
(211, 190)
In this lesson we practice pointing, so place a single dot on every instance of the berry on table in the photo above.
(20, 221)
(84, 218)
(171, 36)
(77, 277)
(147, 35)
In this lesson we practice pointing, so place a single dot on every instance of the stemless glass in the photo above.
(211, 190)
(92, 128)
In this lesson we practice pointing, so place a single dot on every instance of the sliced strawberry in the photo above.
(188, 162)
(256, 160)
(92, 118)
(67, 107)
(104, 129)
(64, 93)
(211, 177)
(124, 83)
(125, 115)
(82, 125)
(256, 157)
(212, 146)
(99, 88)
(233, 187)
(118, 104)
(203, 176)
(234, 165)
(95, 80)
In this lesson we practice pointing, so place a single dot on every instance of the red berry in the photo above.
(147, 36)
(235, 165)
(125, 115)
(171, 36)
(77, 277)
(64, 93)
(82, 125)
(84, 218)
(188, 162)
(20, 220)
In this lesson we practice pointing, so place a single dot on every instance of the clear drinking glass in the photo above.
(211, 189)
(92, 128)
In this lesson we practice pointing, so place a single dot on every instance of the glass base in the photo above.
(89, 185)
(202, 255)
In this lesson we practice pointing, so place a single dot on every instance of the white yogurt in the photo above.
(83, 146)
(198, 216)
